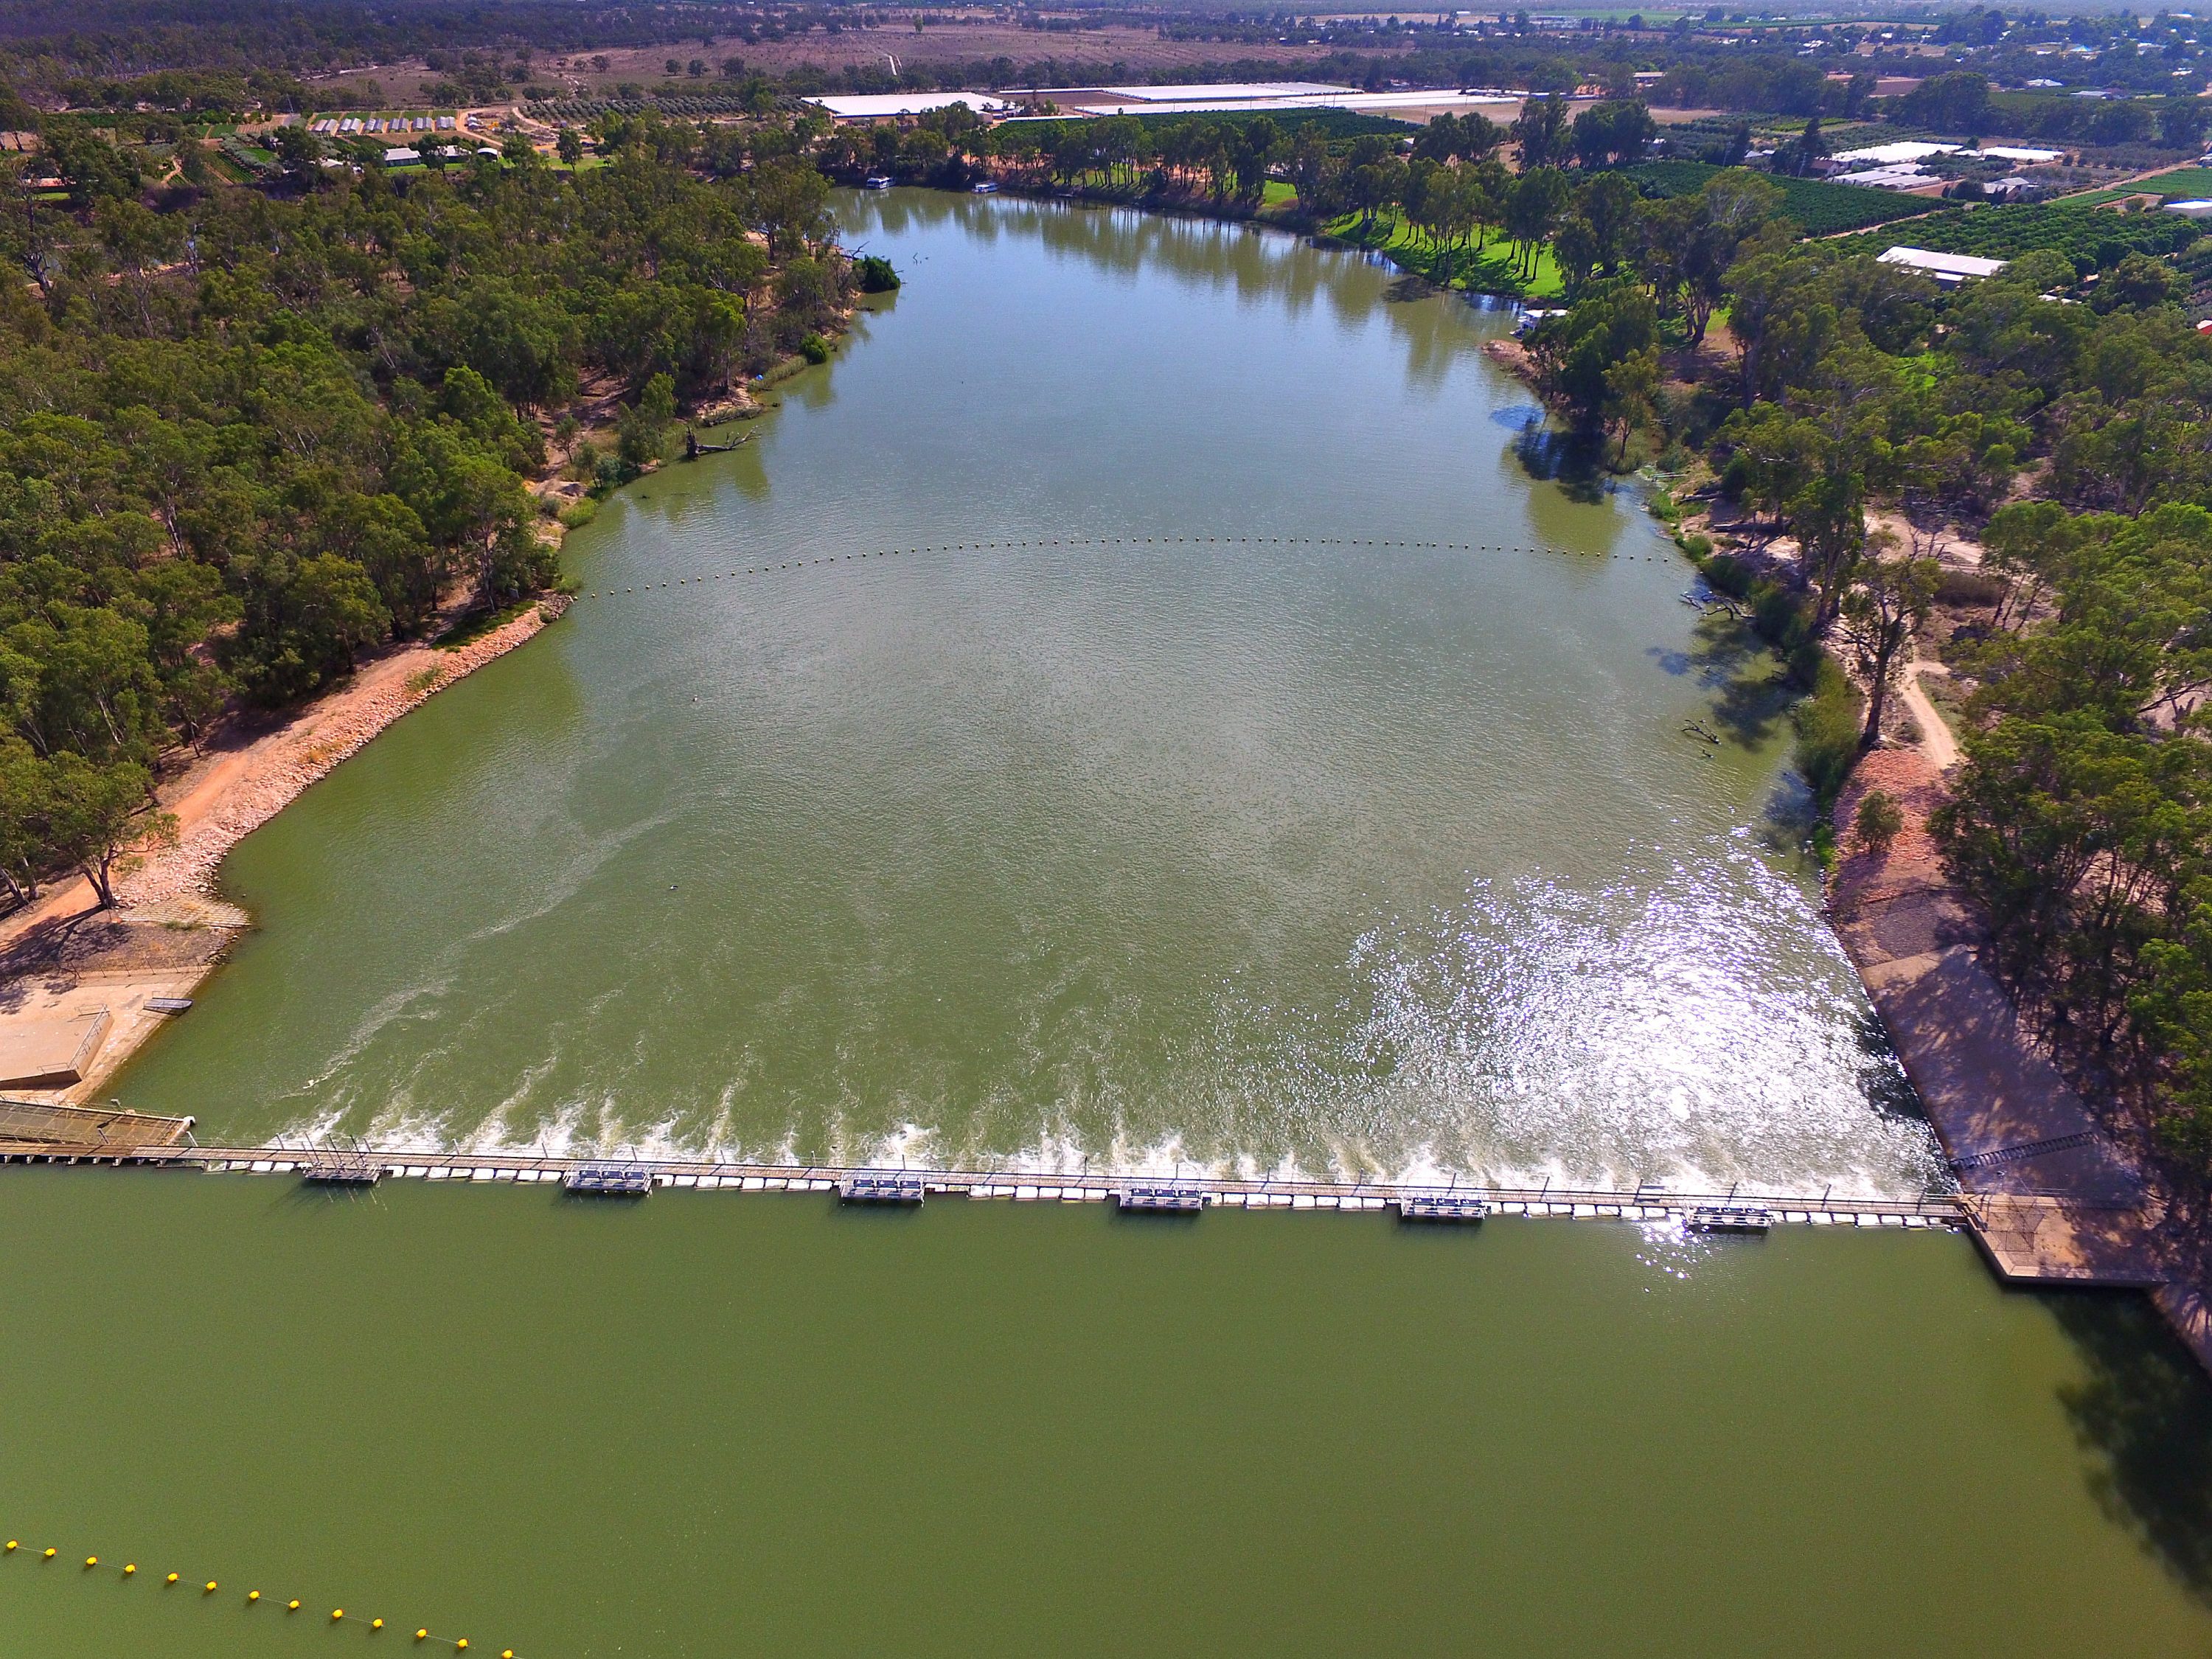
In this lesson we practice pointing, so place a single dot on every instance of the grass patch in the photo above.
(2182, 184)
(1948, 700)
(1496, 270)
(477, 623)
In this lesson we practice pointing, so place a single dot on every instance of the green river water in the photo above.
(1283, 848)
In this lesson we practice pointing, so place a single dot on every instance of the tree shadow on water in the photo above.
(1751, 697)
(1566, 459)
(2143, 1415)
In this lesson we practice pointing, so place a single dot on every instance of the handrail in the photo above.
(1551, 1195)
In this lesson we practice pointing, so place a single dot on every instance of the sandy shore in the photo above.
(63, 961)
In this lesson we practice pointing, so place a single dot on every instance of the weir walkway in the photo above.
(598, 1173)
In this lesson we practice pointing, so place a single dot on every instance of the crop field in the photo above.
(2090, 237)
(1821, 208)
(2182, 184)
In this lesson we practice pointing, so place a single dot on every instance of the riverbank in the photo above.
(2055, 1199)
(1491, 270)
(78, 980)
(81, 986)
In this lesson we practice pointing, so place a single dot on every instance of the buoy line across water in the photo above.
(338, 1615)
(1115, 541)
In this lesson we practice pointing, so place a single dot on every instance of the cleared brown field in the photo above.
(957, 40)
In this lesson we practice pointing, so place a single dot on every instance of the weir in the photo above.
(1413, 1200)
(32, 1128)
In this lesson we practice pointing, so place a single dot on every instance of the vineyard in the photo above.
(578, 111)
(2092, 237)
(1819, 209)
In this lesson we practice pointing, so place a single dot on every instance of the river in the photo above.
(1183, 789)
(1111, 847)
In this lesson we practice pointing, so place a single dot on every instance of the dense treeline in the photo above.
(1861, 413)
(1451, 189)
(2083, 820)
(1963, 102)
(245, 436)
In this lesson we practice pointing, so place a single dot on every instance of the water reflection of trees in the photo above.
(1212, 255)
(2143, 1413)
(1574, 461)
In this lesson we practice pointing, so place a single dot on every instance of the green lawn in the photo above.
(1493, 272)
(2182, 184)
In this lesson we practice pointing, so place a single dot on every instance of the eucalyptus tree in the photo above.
(1541, 131)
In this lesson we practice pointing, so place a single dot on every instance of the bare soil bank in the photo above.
(61, 959)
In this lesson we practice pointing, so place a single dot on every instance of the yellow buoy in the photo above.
(376, 1623)
(463, 1642)
(338, 1612)
(12, 1544)
(50, 1553)
(291, 1606)
(172, 1579)
(130, 1567)
(92, 1560)
(253, 1595)
(211, 1587)
(420, 1634)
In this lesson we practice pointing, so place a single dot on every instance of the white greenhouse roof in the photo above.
(1890, 155)
(1943, 267)
(1227, 89)
(874, 106)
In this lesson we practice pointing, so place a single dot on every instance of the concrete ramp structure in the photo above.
(34, 1130)
(52, 1050)
(2053, 1200)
